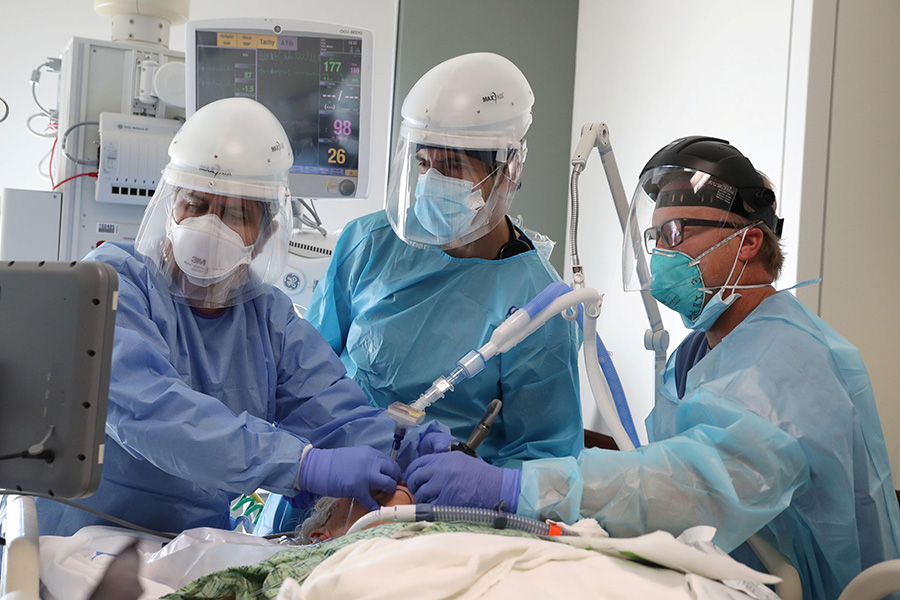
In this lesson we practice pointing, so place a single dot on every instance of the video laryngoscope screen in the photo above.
(312, 84)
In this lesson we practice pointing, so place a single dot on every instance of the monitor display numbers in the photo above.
(245, 80)
(312, 84)
(339, 76)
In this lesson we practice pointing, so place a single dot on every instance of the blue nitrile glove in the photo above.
(434, 438)
(456, 479)
(349, 473)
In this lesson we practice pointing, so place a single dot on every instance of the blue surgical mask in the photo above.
(445, 206)
(677, 282)
(711, 312)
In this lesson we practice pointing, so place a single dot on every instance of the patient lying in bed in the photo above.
(332, 517)
(453, 560)
(426, 560)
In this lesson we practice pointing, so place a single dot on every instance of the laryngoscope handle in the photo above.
(481, 430)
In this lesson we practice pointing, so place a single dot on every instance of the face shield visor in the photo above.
(446, 191)
(214, 243)
(670, 205)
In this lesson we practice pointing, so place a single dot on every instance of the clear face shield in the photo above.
(670, 205)
(447, 191)
(215, 246)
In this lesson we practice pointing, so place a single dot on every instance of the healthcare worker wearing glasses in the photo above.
(414, 287)
(217, 387)
(767, 422)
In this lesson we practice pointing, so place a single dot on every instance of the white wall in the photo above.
(34, 30)
(655, 71)
(809, 91)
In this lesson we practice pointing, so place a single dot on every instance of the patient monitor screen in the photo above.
(312, 84)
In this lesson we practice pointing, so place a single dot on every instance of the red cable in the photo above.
(52, 152)
(95, 174)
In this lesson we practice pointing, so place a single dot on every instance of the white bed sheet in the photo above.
(72, 566)
(470, 566)
(448, 565)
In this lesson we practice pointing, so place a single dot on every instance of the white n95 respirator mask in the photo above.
(206, 250)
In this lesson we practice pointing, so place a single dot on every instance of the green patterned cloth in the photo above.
(263, 580)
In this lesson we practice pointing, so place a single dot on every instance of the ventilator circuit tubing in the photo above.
(498, 519)
(513, 330)
(605, 402)
(611, 403)
(612, 379)
(552, 300)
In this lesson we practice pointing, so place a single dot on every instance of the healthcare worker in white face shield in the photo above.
(217, 387)
(767, 423)
(413, 288)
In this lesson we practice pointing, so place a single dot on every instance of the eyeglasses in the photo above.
(671, 233)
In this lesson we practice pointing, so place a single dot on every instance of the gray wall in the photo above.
(539, 37)
(861, 250)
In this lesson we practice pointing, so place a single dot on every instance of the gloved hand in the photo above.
(409, 451)
(455, 479)
(433, 440)
(349, 473)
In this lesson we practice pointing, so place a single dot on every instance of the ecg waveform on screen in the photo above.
(291, 56)
(285, 72)
(212, 69)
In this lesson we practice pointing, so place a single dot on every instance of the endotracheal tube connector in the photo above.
(466, 368)
(508, 334)
(513, 330)
(407, 415)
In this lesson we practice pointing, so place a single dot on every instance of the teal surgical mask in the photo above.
(677, 282)
(446, 206)
(711, 312)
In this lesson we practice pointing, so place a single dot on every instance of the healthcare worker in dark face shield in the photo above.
(767, 422)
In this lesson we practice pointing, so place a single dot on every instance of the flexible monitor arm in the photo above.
(656, 339)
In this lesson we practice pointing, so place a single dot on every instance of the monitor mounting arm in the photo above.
(656, 338)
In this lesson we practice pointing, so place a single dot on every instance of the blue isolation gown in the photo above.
(399, 317)
(777, 432)
(202, 409)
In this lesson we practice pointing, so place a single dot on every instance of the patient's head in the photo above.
(332, 517)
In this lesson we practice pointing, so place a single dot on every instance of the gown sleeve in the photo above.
(156, 415)
(727, 464)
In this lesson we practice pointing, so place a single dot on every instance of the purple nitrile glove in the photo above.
(349, 473)
(434, 439)
(456, 479)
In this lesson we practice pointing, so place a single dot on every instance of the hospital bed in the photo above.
(71, 567)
